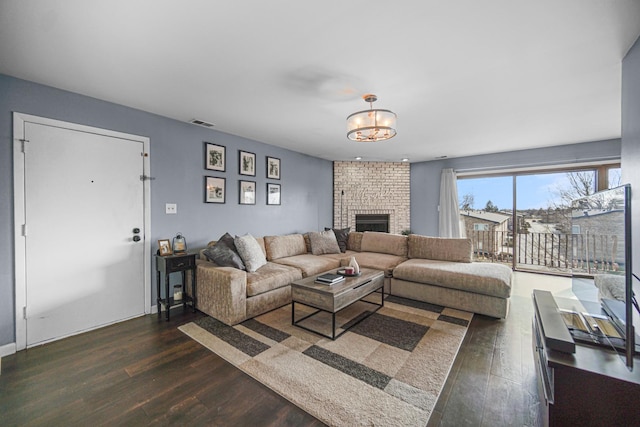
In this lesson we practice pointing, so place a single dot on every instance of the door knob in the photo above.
(136, 238)
(136, 231)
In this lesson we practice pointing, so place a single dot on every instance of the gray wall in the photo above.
(425, 176)
(631, 141)
(177, 165)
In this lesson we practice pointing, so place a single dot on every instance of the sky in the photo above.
(534, 191)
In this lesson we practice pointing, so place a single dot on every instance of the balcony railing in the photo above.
(551, 252)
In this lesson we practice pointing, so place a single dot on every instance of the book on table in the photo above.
(329, 278)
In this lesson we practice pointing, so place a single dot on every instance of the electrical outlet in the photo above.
(171, 208)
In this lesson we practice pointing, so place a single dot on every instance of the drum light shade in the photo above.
(371, 125)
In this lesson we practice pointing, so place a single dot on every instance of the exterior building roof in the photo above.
(496, 217)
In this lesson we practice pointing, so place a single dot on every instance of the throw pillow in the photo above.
(228, 240)
(342, 236)
(224, 253)
(250, 252)
(324, 243)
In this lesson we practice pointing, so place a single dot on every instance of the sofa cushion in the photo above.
(342, 237)
(384, 243)
(376, 260)
(269, 277)
(250, 252)
(284, 246)
(324, 242)
(438, 248)
(310, 264)
(224, 256)
(482, 278)
(354, 243)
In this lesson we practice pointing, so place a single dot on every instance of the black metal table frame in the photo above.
(295, 322)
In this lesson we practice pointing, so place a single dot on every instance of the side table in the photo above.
(165, 265)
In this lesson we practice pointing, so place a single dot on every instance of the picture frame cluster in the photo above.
(215, 187)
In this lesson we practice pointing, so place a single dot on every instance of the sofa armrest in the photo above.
(222, 292)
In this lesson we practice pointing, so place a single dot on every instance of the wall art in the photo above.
(215, 157)
(247, 192)
(273, 194)
(247, 165)
(273, 168)
(214, 189)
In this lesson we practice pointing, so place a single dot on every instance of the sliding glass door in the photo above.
(534, 233)
(486, 206)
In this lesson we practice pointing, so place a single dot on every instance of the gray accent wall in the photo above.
(177, 166)
(425, 176)
(631, 142)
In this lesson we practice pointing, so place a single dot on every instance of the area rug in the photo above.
(388, 369)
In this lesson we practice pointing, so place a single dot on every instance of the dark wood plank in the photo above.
(466, 401)
(503, 403)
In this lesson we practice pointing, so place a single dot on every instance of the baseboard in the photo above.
(154, 309)
(7, 349)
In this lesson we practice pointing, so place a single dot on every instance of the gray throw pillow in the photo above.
(342, 237)
(250, 252)
(224, 254)
(324, 243)
(228, 240)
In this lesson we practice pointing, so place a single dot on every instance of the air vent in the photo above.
(201, 123)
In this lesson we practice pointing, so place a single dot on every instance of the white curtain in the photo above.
(449, 212)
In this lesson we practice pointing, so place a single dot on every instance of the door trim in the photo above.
(19, 120)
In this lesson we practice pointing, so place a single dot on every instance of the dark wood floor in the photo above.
(138, 372)
(493, 380)
(146, 372)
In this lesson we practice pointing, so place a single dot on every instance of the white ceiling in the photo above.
(465, 77)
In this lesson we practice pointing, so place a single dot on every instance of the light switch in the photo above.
(171, 208)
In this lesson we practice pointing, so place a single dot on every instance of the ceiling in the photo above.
(465, 77)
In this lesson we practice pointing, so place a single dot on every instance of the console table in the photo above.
(178, 263)
(589, 387)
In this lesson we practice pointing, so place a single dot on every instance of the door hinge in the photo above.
(24, 230)
(146, 178)
(24, 144)
(24, 312)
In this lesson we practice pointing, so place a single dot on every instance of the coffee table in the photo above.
(333, 298)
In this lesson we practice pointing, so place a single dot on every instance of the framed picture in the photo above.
(247, 192)
(273, 194)
(247, 163)
(273, 168)
(215, 157)
(164, 247)
(214, 189)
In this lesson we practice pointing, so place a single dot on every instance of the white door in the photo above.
(84, 202)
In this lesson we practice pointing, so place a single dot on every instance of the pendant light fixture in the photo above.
(371, 125)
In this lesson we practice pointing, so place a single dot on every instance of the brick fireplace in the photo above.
(380, 189)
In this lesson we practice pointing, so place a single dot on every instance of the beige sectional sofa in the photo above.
(428, 269)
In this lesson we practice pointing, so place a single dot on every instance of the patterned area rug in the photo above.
(388, 369)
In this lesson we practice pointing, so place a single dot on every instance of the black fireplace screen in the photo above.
(372, 222)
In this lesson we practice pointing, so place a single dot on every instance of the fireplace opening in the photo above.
(370, 222)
